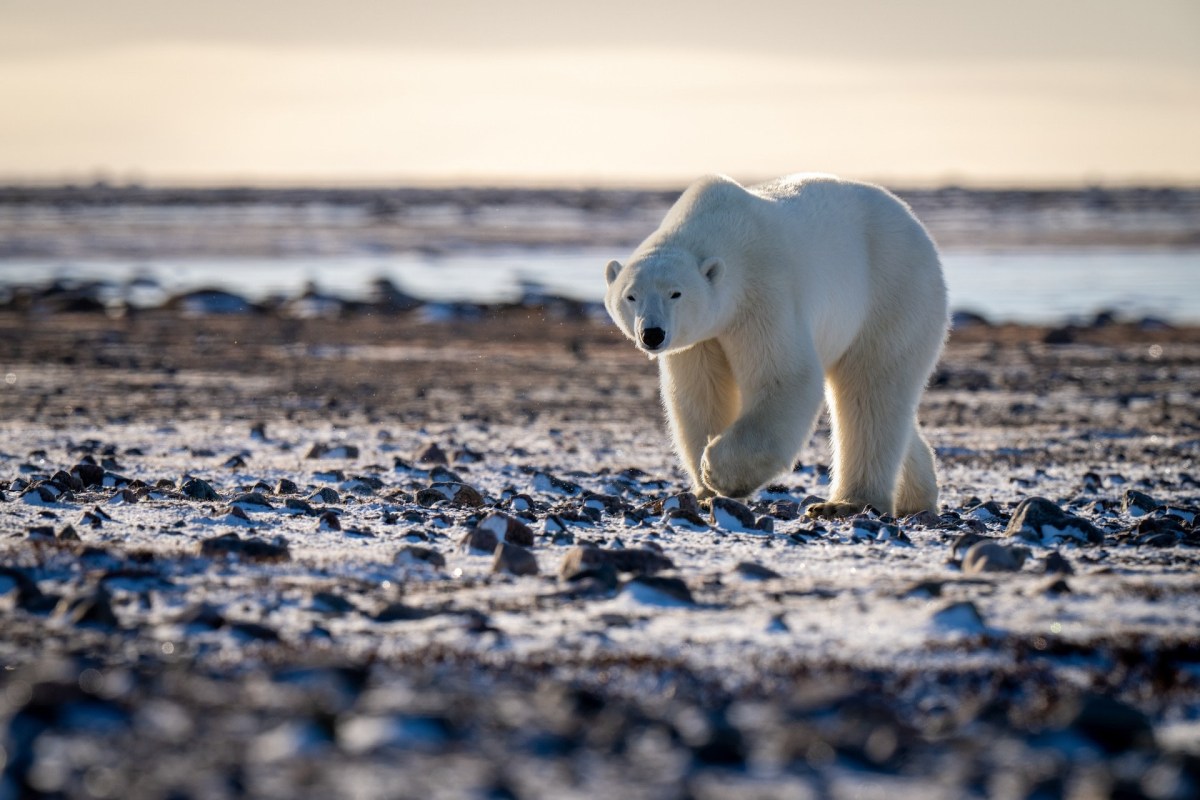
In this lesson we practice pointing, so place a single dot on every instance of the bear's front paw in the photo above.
(833, 510)
(722, 472)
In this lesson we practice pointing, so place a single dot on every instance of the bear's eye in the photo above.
(676, 295)
(631, 298)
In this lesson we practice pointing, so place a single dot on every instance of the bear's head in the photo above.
(665, 300)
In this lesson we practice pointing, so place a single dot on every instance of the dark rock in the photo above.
(296, 504)
(547, 483)
(1038, 520)
(786, 510)
(331, 603)
(1056, 586)
(424, 555)
(638, 561)
(1113, 725)
(731, 515)
(685, 501)
(252, 549)
(659, 590)
(514, 559)
(993, 557)
(480, 540)
(755, 572)
(252, 501)
(459, 495)
(964, 542)
(325, 450)
(329, 521)
(68, 534)
(198, 489)
(1056, 564)
(285, 486)
(431, 454)
(254, 630)
(1136, 504)
(325, 495)
(90, 475)
(507, 529)
(399, 612)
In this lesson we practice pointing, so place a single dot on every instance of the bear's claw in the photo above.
(833, 510)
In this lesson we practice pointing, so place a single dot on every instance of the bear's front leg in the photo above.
(701, 399)
(778, 413)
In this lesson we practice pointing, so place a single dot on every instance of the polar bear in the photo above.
(755, 299)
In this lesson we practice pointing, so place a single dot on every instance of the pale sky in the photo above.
(552, 91)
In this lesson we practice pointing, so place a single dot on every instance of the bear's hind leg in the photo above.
(917, 489)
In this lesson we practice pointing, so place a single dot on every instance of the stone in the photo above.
(415, 554)
(460, 495)
(252, 501)
(993, 557)
(431, 454)
(198, 489)
(514, 559)
(1137, 504)
(507, 529)
(635, 560)
(1040, 521)
(755, 572)
(252, 549)
(658, 590)
(325, 495)
(329, 521)
(1056, 564)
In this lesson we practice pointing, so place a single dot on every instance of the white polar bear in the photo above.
(753, 299)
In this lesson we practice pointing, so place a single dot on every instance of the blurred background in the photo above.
(471, 150)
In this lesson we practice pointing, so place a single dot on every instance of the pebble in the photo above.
(89, 475)
(1040, 521)
(993, 557)
(754, 571)
(324, 450)
(730, 515)
(431, 454)
(325, 495)
(198, 489)
(658, 590)
(295, 504)
(635, 560)
(286, 486)
(865, 529)
(415, 554)
(1056, 564)
(507, 529)
(252, 549)
(549, 484)
(1137, 504)
(252, 501)
(329, 521)
(460, 495)
(514, 559)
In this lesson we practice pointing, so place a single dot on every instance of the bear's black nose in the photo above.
(653, 337)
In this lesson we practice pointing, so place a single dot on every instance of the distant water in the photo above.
(1005, 285)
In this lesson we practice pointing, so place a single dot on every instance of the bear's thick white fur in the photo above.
(754, 300)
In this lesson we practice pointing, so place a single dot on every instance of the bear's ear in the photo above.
(611, 271)
(712, 269)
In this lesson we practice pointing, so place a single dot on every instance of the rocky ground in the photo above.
(381, 556)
